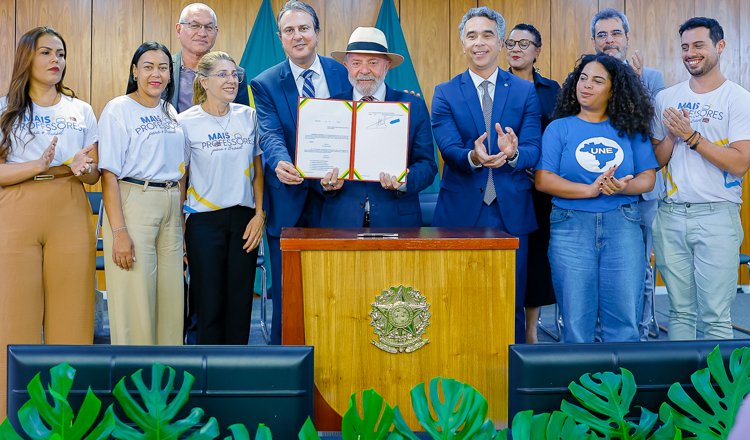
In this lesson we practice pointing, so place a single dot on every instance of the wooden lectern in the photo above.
(332, 277)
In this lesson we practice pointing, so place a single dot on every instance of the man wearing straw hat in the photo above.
(388, 203)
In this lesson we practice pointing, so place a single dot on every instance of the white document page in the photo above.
(381, 140)
(324, 131)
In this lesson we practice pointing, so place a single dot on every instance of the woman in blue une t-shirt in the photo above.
(596, 159)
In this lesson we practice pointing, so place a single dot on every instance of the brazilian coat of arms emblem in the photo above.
(400, 316)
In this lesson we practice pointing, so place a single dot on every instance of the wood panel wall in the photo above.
(103, 34)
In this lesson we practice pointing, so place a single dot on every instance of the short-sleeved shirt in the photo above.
(71, 120)
(722, 116)
(140, 142)
(580, 151)
(220, 152)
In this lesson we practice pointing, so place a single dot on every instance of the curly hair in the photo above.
(629, 108)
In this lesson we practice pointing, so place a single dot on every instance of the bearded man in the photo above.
(387, 203)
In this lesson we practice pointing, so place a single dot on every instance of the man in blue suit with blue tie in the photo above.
(387, 203)
(488, 128)
(291, 202)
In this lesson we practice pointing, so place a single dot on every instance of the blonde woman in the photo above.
(224, 205)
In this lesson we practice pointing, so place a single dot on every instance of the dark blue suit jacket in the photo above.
(457, 121)
(242, 96)
(344, 208)
(275, 94)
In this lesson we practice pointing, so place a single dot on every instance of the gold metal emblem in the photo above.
(400, 317)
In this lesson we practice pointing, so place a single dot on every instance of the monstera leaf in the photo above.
(462, 408)
(609, 396)
(7, 432)
(42, 421)
(717, 423)
(263, 433)
(155, 419)
(354, 427)
(308, 431)
(557, 426)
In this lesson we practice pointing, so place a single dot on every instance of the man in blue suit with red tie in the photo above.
(488, 128)
(291, 202)
(389, 202)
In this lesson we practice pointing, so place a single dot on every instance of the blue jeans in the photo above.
(597, 270)
(697, 247)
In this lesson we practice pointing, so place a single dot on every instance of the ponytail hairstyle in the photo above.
(19, 103)
(133, 84)
(206, 65)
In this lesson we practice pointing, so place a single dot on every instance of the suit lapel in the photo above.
(332, 77)
(472, 100)
(502, 86)
(290, 89)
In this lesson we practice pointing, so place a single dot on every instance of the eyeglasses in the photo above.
(195, 26)
(224, 76)
(615, 34)
(523, 44)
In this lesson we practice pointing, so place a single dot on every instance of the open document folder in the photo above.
(360, 138)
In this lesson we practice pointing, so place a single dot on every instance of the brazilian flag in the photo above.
(263, 48)
(404, 77)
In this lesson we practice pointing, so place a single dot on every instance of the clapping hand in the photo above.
(479, 155)
(678, 123)
(507, 142)
(609, 185)
(47, 157)
(82, 162)
(637, 63)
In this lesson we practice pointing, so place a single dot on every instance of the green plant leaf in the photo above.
(308, 431)
(487, 432)
(155, 419)
(400, 429)
(240, 432)
(354, 427)
(263, 433)
(667, 431)
(105, 428)
(42, 421)
(7, 432)
(608, 395)
(468, 418)
(718, 423)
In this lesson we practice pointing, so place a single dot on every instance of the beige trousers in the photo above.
(47, 251)
(146, 304)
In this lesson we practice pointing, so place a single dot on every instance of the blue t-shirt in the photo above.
(580, 151)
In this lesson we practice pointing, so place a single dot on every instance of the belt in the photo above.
(148, 183)
(50, 176)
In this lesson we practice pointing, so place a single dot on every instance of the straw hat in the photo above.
(367, 40)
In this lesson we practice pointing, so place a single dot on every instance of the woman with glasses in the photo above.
(224, 205)
(596, 159)
(143, 162)
(523, 45)
(48, 146)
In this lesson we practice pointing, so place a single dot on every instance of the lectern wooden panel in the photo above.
(331, 279)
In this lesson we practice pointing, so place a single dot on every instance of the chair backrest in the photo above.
(427, 202)
(95, 199)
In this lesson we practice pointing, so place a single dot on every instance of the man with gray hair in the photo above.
(487, 126)
(291, 200)
(610, 34)
(197, 29)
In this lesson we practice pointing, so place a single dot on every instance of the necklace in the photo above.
(139, 98)
(229, 119)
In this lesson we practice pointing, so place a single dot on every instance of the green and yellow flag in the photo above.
(404, 77)
(263, 48)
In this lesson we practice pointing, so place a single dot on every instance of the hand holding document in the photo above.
(361, 139)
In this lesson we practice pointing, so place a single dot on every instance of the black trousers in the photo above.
(222, 274)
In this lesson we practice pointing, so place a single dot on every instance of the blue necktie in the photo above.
(308, 89)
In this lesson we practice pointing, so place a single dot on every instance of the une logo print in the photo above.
(598, 154)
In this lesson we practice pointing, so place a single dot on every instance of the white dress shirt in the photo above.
(318, 78)
(478, 80)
